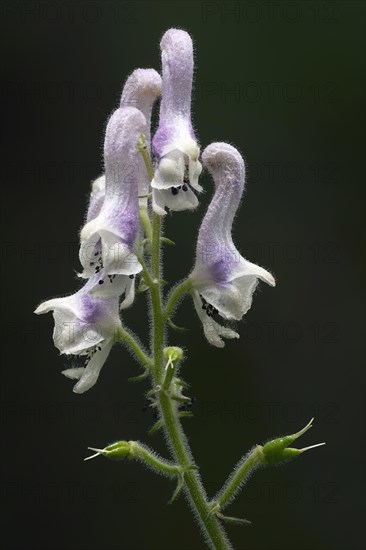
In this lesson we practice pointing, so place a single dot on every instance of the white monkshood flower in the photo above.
(118, 285)
(141, 90)
(107, 240)
(174, 144)
(84, 326)
(223, 281)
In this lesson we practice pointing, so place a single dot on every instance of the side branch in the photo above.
(237, 479)
(126, 337)
(176, 294)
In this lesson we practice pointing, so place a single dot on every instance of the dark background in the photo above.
(284, 82)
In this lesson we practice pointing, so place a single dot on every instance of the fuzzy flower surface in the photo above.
(223, 281)
(84, 326)
(107, 240)
(141, 89)
(174, 144)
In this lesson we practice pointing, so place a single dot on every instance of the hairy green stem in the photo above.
(125, 336)
(177, 293)
(155, 291)
(235, 482)
(155, 462)
(209, 523)
(211, 527)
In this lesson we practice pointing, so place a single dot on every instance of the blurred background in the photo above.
(284, 82)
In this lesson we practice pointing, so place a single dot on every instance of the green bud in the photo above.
(278, 450)
(173, 354)
(117, 451)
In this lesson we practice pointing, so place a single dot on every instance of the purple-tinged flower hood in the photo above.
(174, 144)
(223, 280)
(87, 326)
(141, 90)
(107, 241)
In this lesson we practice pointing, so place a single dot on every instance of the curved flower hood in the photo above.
(107, 240)
(112, 285)
(224, 281)
(174, 144)
(141, 90)
(84, 326)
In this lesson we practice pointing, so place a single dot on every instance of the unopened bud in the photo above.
(117, 451)
(278, 450)
(173, 354)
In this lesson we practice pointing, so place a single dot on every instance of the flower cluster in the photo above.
(125, 198)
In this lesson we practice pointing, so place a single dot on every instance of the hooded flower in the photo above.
(107, 240)
(84, 326)
(117, 285)
(141, 90)
(174, 144)
(223, 281)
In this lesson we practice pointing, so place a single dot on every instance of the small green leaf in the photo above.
(165, 240)
(230, 519)
(178, 489)
(156, 427)
(185, 414)
(140, 377)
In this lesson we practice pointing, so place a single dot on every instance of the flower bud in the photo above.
(117, 451)
(173, 354)
(278, 450)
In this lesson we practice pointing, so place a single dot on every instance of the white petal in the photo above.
(158, 202)
(129, 293)
(234, 299)
(170, 172)
(259, 272)
(195, 169)
(113, 285)
(81, 321)
(118, 258)
(92, 370)
(89, 238)
(70, 334)
(214, 332)
(73, 374)
(183, 200)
